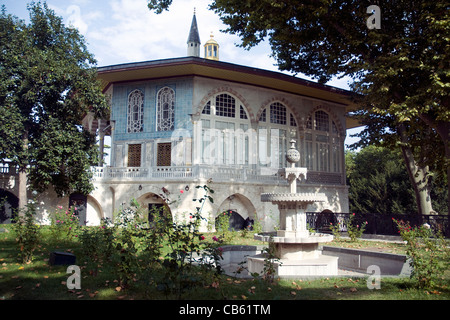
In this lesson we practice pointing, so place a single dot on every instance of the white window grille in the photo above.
(277, 113)
(225, 131)
(280, 128)
(225, 106)
(321, 144)
(135, 111)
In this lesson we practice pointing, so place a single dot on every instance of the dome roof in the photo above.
(211, 41)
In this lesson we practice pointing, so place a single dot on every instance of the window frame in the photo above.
(222, 126)
(165, 109)
(321, 143)
(135, 111)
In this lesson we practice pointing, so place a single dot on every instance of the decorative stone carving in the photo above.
(292, 155)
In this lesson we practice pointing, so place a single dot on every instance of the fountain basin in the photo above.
(283, 237)
(296, 248)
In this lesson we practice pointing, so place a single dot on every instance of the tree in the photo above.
(400, 71)
(47, 84)
(378, 182)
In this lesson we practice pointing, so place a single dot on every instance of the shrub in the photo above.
(355, 230)
(335, 229)
(187, 248)
(97, 244)
(223, 225)
(27, 233)
(64, 223)
(428, 253)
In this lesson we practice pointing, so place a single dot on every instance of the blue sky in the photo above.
(121, 31)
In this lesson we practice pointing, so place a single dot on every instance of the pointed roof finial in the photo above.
(193, 41)
(193, 32)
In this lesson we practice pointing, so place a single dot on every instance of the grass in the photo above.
(41, 281)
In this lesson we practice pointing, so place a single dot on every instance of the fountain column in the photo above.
(297, 249)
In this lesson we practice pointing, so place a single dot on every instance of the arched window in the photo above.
(225, 131)
(165, 110)
(277, 126)
(322, 145)
(135, 122)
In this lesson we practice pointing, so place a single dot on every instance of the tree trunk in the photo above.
(22, 183)
(443, 130)
(417, 175)
(22, 186)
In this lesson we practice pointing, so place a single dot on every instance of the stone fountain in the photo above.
(296, 249)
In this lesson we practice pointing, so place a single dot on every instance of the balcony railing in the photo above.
(185, 172)
(217, 173)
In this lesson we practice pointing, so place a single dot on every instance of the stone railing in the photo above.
(185, 172)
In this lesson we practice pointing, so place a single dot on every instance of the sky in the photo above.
(122, 31)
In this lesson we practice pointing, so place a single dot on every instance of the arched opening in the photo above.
(240, 211)
(79, 202)
(323, 221)
(94, 213)
(9, 205)
(155, 208)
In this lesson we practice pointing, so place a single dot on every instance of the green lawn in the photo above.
(40, 281)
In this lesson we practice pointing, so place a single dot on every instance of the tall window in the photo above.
(135, 111)
(322, 145)
(277, 126)
(165, 117)
(225, 131)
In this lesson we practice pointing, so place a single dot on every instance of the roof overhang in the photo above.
(193, 66)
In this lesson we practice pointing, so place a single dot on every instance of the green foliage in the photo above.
(335, 230)
(48, 83)
(27, 233)
(378, 182)
(184, 241)
(270, 259)
(223, 225)
(64, 223)
(428, 252)
(355, 230)
(97, 245)
(133, 247)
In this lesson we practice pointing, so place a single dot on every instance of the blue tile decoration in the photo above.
(183, 107)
